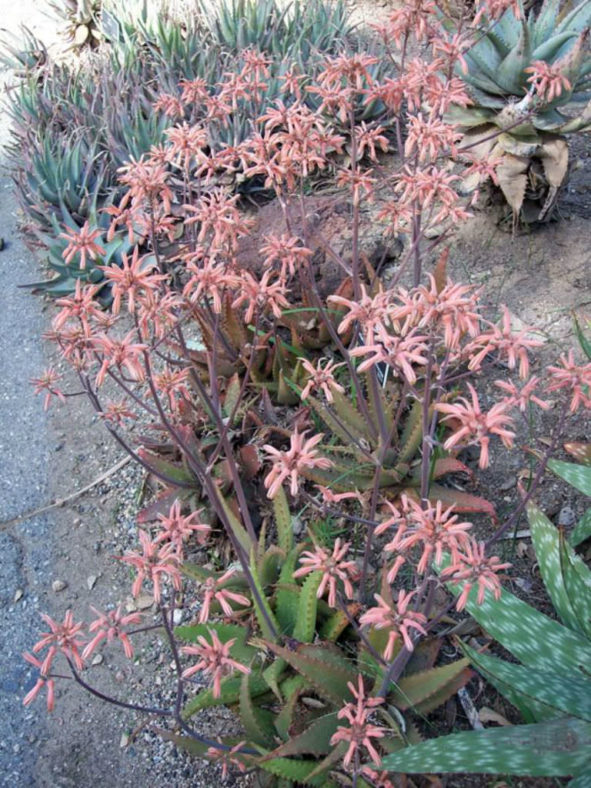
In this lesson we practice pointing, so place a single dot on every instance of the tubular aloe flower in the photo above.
(155, 562)
(360, 731)
(333, 566)
(398, 619)
(62, 637)
(476, 427)
(215, 660)
(42, 681)
(289, 464)
(109, 626)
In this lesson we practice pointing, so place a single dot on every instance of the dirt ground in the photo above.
(541, 276)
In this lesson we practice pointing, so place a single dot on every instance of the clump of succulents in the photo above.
(525, 73)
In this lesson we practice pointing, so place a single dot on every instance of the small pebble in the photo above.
(144, 601)
(177, 616)
(91, 581)
(508, 484)
(130, 605)
(97, 659)
(18, 594)
(124, 740)
(566, 517)
(59, 585)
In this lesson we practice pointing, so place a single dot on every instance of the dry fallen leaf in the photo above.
(487, 714)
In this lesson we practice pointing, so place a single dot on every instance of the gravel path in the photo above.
(26, 550)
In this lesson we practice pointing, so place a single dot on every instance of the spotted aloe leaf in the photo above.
(562, 694)
(534, 638)
(564, 744)
(580, 451)
(582, 530)
(545, 539)
(577, 583)
(577, 475)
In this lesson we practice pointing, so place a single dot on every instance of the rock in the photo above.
(98, 659)
(177, 616)
(130, 605)
(566, 517)
(91, 581)
(124, 740)
(59, 585)
(510, 482)
(144, 601)
(18, 594)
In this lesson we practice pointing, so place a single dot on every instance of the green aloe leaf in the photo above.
(582, 530)
(230, 694)
(546, 749)
(265, 616)
(283, 521)
(291, 689)
(315, 740)
(577, 475)
(412, 434)
(257, 722)
(327, 671)
(305, 626)
(545, 540)
(577, 583)
(563, 693)
(297, 771)
(535, 639)
(426, 690)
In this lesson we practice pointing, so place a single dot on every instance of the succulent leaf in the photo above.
(326, 671)
(565, 744)
(230, 694)
(428, 689)
(535, 639)
(315, 740)
(577, 475)
(257, 722)
(305, 626)
(563, 694)
(545, 540)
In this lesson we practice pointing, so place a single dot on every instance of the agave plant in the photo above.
(520, 128)
(551, 687)
(300, 678)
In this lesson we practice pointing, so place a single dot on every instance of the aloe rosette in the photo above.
(527, 78)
